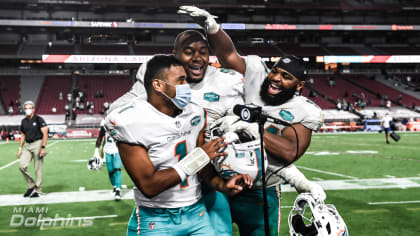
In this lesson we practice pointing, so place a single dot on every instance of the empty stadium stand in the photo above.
(49, 94)
(112, 87)
(377, 87)
(9, 91)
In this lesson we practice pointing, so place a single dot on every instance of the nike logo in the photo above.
(201, 213)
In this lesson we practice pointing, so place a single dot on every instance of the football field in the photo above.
(375, 187)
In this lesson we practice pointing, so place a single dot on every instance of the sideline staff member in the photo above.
(34, 131)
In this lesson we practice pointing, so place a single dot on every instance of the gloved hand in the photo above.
(201, 17)
(98, 159)
(318, 192)
(296, 178)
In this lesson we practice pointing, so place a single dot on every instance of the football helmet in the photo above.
(325, 220)
(95, 163)
(243, 154)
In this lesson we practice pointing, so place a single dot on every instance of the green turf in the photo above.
(400, 159)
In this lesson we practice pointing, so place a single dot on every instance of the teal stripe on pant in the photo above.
(190, 220)
(114, 165)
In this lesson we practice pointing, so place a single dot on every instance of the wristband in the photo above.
(181, 173)
(43, 146)
(192, 163)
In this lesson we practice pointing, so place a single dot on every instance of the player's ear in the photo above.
(300, 85)
(157, 85)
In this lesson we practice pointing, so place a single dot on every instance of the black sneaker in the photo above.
(115, 189)
(35, 194)
(28, 192)
(117, 195)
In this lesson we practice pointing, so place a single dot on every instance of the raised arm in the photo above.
(219, 41)
(225, 51)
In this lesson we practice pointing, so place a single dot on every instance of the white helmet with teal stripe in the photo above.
(244, 155)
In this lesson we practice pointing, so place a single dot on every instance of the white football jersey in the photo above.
(166, 139)
(110, 145)
(218, 92)
(298, 109)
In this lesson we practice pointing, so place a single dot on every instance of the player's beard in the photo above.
(194, 81)
(278, 99)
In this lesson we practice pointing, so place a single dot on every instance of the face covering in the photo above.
(182, 95)
(28, 112)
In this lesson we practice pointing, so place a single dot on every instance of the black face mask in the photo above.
(278, 99)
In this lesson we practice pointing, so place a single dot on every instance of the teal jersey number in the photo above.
(109, 139)
(181, 152)
(227, 71)
(272, 129)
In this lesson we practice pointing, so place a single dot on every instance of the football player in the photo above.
(278, 91)
(112, 158)
(214, 89)
(159, 141)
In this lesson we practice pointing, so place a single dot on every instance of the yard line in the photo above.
(127, 194)
(327, 172)
(13, 162)
(391, 203)
(7, 165)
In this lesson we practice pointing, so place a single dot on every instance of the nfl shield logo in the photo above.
(152, 225)
(178, 124)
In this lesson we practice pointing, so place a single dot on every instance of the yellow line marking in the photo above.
(413, 209)
(371, 211)
(8, 230)
(117, 223)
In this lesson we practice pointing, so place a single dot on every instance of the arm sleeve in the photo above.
(255, 68)
(122, 126)
(41, 122)
(313, 118)
(21, 127)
